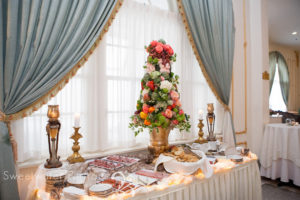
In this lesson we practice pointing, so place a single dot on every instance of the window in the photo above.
(106, 89)
(276, 100)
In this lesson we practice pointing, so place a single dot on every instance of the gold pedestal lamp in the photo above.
(52, 129)
(76, 157)
(210, 118)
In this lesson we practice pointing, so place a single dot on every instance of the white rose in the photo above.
(145, 91)
(166, 84)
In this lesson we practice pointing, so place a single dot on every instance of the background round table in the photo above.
(280, 154)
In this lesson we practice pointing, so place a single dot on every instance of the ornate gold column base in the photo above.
(76, 157)
(200, 140)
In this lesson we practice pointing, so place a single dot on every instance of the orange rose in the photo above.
(143, 115)
(151, 109)
(147, 123)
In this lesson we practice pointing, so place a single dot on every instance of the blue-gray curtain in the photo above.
(211, 23)
(276, 57)
(272, 67)
(284, 79)
(40, 42)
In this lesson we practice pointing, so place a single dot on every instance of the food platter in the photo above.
(128, 161)
(106, 164)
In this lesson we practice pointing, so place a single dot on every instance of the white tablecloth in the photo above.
(280, 155)
(240, 183)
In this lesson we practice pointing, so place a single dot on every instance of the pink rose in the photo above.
(178, 103)
(164, 68)
(162, 78)
(181, 112)
(174, 95)
(153, 43)
(168, 113)
(170, 51)
(159, 62)
(146, 97)
(150, 68)
(175, 121)
(135, 120)
(145, 108)
(166, 47)
(168, 66)
(159, 48)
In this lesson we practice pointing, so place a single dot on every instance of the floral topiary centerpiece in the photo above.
(159, 107)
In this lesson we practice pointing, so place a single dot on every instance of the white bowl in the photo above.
(77, 180)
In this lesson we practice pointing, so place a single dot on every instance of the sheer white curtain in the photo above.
(276, 100)
(105, 90)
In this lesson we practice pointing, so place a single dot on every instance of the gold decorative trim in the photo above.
(59, 86)
(265, 75)
(189, 34)
(2, 116)
(242, 143)
(245, 72)
(13, 141)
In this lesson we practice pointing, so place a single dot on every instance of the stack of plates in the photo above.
(53, 177)
(73, 193)
(77, 181)
(100, 190)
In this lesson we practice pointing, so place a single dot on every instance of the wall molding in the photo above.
(245, 74)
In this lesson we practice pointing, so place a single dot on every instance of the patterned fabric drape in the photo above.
(210, 26)
(42, 44)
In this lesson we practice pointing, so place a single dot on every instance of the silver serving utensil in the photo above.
(188, 150)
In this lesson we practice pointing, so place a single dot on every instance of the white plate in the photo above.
(236, 158)
(56, 173)
(76, 180)
(100, 187)
(74, 191)
(139, 179)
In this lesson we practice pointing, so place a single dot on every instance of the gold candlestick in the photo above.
(201, 140)
(76, 157)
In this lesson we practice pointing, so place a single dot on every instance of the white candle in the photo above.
(201, 114)
(77, 120)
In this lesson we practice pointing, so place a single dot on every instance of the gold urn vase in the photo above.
(159, 141)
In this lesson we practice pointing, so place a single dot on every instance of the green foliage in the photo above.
(162, 41)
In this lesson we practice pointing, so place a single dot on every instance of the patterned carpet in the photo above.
(276, 190)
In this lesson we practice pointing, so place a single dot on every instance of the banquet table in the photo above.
(280, 154)
(229, 181)
(241, 183)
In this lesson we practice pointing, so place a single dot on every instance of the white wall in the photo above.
(250, 109)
